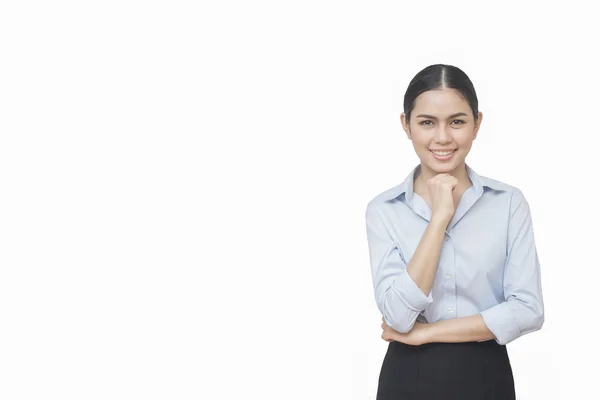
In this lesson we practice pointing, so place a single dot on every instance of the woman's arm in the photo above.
(464, 329)
(402, 291)
(522, 310)
(423, 265)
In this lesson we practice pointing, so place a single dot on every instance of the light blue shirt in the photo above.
(488, 262)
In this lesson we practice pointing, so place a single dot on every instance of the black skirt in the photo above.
(446, 371)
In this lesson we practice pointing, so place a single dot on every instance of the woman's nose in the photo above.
(442, 135)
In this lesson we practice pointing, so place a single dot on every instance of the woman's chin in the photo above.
(442, 167)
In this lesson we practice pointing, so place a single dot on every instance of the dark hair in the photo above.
(438, 76)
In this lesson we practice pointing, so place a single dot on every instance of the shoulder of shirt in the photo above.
(384, 196)
(498, 185)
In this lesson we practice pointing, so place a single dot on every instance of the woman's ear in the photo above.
(477, 124)
(405, 125)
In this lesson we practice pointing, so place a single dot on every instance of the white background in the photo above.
(183, 187)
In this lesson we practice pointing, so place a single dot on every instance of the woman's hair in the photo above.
(440, 76)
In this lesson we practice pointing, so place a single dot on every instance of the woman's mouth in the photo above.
(443, 155)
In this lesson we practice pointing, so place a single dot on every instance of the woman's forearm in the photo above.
(423, 264)
(464, 329)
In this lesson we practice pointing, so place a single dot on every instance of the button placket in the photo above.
(448, 275)
(449, 282)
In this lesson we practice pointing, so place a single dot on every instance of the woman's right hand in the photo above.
(441, 191)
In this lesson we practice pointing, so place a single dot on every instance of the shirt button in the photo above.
(448, 276)
(450, 310)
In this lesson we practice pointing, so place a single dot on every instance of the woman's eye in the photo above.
(425, 122)
(460, 121)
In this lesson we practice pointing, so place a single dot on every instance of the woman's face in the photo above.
(441, 120)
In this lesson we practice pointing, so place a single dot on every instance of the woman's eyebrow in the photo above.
(451, 116)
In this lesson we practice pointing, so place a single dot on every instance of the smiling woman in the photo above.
(446, 120)
(455, 269)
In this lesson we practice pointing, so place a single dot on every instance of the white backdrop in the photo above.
(183, 187)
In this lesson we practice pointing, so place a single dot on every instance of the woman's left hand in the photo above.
(417, 336)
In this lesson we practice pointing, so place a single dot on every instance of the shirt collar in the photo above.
(479, 183)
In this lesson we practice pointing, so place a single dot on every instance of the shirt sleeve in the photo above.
(522, 310)
(398, 297)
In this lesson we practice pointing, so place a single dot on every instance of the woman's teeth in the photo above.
(442, 153)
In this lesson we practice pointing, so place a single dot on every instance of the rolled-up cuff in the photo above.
(410, 292)
(501, 321)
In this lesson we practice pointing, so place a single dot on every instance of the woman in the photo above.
(453, 259)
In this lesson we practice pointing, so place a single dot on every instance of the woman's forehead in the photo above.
(440, 101)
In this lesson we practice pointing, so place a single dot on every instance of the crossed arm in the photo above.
(464, 329)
